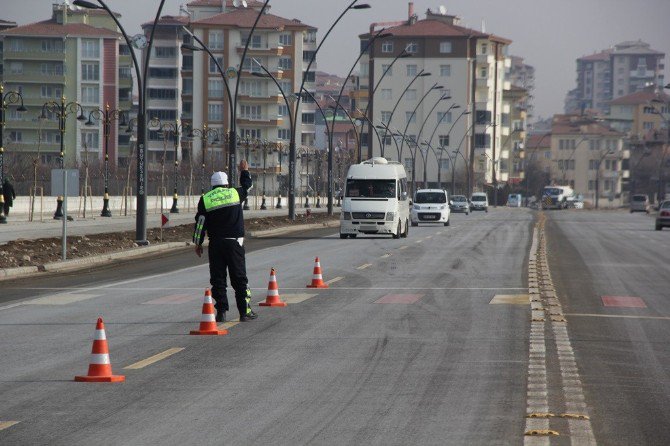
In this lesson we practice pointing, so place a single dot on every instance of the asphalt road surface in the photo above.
(424, 340)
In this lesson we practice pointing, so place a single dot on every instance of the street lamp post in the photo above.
(141, 222)
(6, 99)
(106, 117)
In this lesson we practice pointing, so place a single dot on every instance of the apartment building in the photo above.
(283, 46)
(618, 71)
(587, 154)
(521, 74)
(513, 120)
(463, 111)
(76, 54)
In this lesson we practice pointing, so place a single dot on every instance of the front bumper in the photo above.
(429, 216)
(368, 227)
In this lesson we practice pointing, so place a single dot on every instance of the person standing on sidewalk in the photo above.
(9, 195)
(220, 216)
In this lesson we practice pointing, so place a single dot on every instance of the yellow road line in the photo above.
(625, 316)
(153, 359)
(336, 279)
(6, 424)
(366, 265)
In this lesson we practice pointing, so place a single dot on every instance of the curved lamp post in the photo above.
(141, 221)
(292, 144)
(106, 117)
(388, 131)
(6, 99)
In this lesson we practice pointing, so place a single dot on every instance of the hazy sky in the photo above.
(549, 34)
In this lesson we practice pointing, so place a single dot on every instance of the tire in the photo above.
(415, 224)
(447, 223)
(353, 235)
(467, 213)
(406, 233)
(343, 235)
(398, 231)
(658, 226)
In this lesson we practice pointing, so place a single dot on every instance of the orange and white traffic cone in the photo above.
(273, 300)
(317, 277)
(100, 369)
(208, 318)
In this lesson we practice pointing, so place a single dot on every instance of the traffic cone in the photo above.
(100, 369)
(208, 318)
(317, 278)
(273, 300)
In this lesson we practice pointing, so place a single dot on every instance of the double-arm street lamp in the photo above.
(205, 134)
(106, 117)
(141, 222)
(6, 99)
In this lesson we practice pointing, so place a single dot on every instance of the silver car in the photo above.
(663, 216)
(639, 203)
(459, 203)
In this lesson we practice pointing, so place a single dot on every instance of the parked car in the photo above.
(430, 206)
(514, 200)
(479, 202)
(639, 203)
(459, 203)
(663, 216)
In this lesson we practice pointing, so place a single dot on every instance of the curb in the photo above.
(85, 262)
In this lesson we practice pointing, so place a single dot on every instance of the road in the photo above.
(424, 340)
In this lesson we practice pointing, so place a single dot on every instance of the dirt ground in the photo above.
(46, 250)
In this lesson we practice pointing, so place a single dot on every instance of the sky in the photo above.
(548, 34)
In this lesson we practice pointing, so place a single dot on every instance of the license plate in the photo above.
(429, 217)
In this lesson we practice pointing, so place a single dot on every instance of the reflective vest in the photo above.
(220, 197)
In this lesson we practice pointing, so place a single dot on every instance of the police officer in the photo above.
(220, 215)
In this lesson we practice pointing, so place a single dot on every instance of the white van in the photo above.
(479, 201)
(514, 200)
(375, 200)
(430, 206)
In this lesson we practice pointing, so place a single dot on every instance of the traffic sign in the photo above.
(165, 220)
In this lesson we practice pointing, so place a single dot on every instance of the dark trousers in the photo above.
(228, 257)
(6, 207)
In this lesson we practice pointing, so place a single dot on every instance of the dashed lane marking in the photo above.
(385, 256)
(510, 299)
(336, 279)
(6, 424)
(403, 247)
(365, 265)
(154, 359)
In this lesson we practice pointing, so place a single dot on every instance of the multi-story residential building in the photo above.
(4, 25)
(466, 68)
(163, 85)
(624, 69)
(522, 75)
(513, 120)
(588, 155)
(282, 46)
(76, 54)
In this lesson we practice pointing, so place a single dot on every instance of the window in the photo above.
(388, 69)
(187, 62)
(163, 115)
(285, 63)
(212, 65)
(215, 88)
(484, 72)
(284, 134)
(592, 185)
(16, 45)
(485, 48)
(52, 46)
(307, 55)
(648, 125)
(125, 73)
(52, 69)
(15, 136)
(445, 70)
(163, 73)
(256, 41)
(310, 76)
(282, 110)
(162, 93)
(483, 117)
(90, 139)
(50, 137)
(387, 93)
(251, 133)
(444, 117)
(387, 47)
(309, 37)
(90, 72)
(16, 67)
(444, 140)
(251, 111)
(445, 47)
(410, 117)
(308, 118)
(286, 87)
(90, 93)
(251, 88)
(482, 140)
(444, 164)
(286, 39)
(90, 48)
(410, 94)
(215, 112)
(215, 40)
(412, 48)
(187, 86)
(386, 117)
(165, 52)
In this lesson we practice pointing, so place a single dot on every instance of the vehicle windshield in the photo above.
(665, 205)
(458, 198)
(552, 191)
(478, 198)
(639, 197)
(431, 197)
(371, 188)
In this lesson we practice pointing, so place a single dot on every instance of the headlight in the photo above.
(390, 216)
(442, 207)
(346, 215)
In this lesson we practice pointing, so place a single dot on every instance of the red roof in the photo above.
(170, 20)
(437, 28)
(580, 125)
(640, 97)
(603, 55)
(245, 18)
(51, 28)
(538, 140)
(229, 3)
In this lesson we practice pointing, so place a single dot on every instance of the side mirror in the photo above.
(451, 203)
(411, 203)
(404, 196)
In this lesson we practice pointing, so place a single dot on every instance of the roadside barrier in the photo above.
(273, 299)
(317, 277)
(208, 319)
(100, 368)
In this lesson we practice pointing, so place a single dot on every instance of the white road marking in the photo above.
(336, 279)
(61, 299)
(403, 247)
(153, 359)
(386, 256)
(6, 424)
(365, 265)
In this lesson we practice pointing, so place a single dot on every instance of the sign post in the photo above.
(61, 181)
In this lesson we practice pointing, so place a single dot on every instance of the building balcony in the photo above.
(248, 99)
(36, 77)
(33, 147)
(259, 121)
(482, 82)
(279, 74)
(125, 82)
(485, 59)
(9, 54)
(262, 50)
(35, 123)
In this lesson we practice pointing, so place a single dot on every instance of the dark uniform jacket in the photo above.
(8, 193)
(220, 211)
